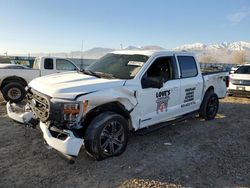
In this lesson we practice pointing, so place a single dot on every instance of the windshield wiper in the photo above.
(91, 73)
(105, 75)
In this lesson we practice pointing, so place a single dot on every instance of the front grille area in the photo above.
(39, 104)
(241, 82)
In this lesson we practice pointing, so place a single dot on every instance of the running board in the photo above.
(156, 127)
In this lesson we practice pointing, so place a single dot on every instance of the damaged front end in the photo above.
(57, 120)
(22, 114)
(64, 141)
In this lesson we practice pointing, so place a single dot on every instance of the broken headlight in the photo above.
(71, 112)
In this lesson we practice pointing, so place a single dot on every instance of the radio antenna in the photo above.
(81, 56)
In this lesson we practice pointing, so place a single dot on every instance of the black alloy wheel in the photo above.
(106, 136)
(112, 138)
(212, 106)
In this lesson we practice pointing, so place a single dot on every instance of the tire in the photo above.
(106, 136)
(209, 106)
(14, 92)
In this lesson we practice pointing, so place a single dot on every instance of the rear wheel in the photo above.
(210, 106)
(13, 92)
(106, 136)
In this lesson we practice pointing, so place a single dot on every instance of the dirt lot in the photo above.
(190, 154)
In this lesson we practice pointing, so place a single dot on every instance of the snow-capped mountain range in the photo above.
(222, 52)
(232, 46)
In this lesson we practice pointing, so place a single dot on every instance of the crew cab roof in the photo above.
(151, 52)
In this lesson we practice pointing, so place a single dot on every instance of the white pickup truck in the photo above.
(123, 91)
(13, 81)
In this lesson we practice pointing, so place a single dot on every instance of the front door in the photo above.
(158, 99)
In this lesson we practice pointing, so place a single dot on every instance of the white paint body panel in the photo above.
(217, 81)
(68, 85)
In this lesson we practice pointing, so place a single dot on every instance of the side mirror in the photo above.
(151, 83)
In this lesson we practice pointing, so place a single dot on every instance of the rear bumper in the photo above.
(69, 145)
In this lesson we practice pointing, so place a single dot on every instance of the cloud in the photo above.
(237, 17)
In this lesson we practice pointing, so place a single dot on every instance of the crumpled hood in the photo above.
(70, 84)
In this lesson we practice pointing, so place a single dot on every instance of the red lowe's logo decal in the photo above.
(162, 98)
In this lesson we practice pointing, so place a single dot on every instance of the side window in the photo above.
(63, 64)
(48, 63)
(160, 71)
(188, 66)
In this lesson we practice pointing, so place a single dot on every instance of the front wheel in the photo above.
(210, 106)
(106, 136)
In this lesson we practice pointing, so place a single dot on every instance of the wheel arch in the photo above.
(10, 79)
(115, 107)
(209, 89)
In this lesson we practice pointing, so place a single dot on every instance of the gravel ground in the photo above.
(193, 153)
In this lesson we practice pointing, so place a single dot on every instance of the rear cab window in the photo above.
(188, 66)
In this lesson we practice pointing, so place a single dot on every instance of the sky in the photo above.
(33, 26)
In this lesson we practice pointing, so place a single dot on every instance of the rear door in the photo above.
(191, 84)
(159, 104)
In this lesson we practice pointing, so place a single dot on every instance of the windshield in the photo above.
(121, 66)
(243, 70)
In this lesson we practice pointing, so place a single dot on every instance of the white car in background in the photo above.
(239, 81)
(234, 68)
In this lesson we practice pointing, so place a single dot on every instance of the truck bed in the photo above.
(27, 74)
(217, 80)
(212, 72)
